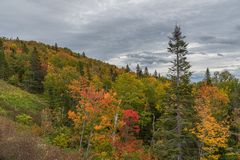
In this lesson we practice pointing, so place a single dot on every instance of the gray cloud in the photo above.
(130, 31)
(238, 27)
(220, 40)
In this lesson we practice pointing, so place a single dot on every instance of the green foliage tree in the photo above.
(155, 92)
(130, 91)
(56, 87)
(173, 139)
(224, 76)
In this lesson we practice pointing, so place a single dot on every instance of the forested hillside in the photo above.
(81, 108)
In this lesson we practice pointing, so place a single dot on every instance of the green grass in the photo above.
(14, 99)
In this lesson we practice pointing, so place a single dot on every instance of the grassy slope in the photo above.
(18, 143)
(14, 101)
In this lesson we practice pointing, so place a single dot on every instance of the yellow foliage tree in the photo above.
(211, 133)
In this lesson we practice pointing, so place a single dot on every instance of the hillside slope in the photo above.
(14, 101)
(18, 53)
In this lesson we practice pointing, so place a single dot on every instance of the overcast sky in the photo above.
(131, 31)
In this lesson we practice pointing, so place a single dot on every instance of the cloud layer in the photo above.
(131, 31)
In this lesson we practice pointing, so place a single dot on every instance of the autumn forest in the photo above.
(59, 104)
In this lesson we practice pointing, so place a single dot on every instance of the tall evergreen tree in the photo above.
(80, 68)
(36, 76)
(83, 54)
(155, 74)
(207, 77)
(127, 68)
(173, 138)
(146, 73)
(113, 74)
(56, 47)
(138, 71)
(13, 61)
(4, 70)
(88, 73)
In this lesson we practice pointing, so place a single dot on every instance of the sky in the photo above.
(132, 32)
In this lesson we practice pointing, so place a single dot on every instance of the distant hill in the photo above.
(19, 51)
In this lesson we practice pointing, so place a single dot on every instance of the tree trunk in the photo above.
(89, 142)
(179, 127)
(82, 133)
(153, 130)
(115, 126)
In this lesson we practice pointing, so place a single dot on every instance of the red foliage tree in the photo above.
(130, 119)
(127, 146)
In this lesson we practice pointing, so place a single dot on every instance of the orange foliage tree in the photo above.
(94, 117)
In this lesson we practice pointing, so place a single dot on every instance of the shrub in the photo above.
(13, 80)
(61, 140)
(24, 119)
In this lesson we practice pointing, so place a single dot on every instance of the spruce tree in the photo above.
(173, 138)
(159, 75)
(113, 74)
(83, 54)
(146, 73)
(88, 73)
(207, 77)
(13, 61)
(138, 71)
(155, 74)
(36, 76)
(56, 47)
(4, 70)
(80, 68)
(127, 68)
